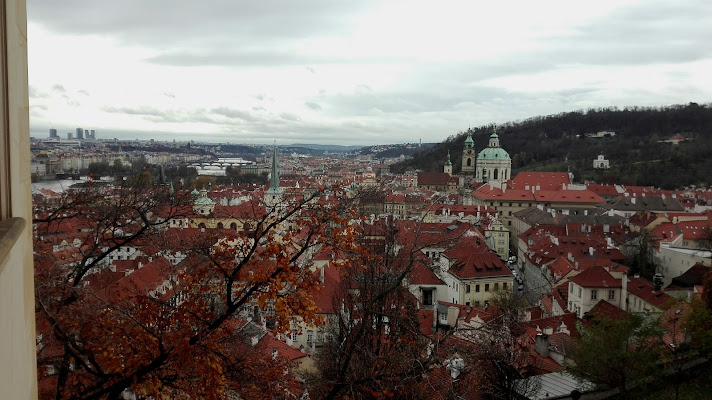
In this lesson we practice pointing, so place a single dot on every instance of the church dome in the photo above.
(204, 201)
(493, 151)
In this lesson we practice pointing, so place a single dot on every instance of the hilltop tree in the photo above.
(374, 346)
(640, 257)
(617, 353)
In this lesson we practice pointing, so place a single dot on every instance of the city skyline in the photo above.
(352, 74)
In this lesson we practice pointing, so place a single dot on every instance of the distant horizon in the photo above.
(162, 136)
(131, 136)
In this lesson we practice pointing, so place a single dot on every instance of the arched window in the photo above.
(495, 174)
(233, 226)
(201, 225)
(469, 162)
(220, 225)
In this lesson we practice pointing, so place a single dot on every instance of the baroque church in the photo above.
(491, 166)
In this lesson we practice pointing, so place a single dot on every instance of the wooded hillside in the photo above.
(637, 153)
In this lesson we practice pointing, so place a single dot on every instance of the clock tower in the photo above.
(468, 159)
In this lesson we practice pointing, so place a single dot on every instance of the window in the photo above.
(486, 287)
(310, 337)
(477, 288)
(496, 286)
(611, 295)
(467, 288)
(428, 297)
(579, 293)
(477, 303)
(571, 288)
(594, 294)
(319, 337)
(504, 286)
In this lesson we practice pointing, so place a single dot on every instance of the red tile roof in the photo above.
(545, 180)
(433, 178)
(643, 288)
(603, 309)
(596, 277)
(471, 263)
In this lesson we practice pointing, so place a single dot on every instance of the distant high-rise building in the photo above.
(69, 135)
(53, 133)
(80, 133)
(93, 134)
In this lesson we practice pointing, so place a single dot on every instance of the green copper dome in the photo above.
(204, 201)
(493, 151)
(469, 143)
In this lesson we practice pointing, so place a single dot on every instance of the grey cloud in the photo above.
(232, 113)
(233, 57)
(59, 88)
(35, 93)
(156, 115)
(141, 111)
(312, 105)
(83, 92)
(165, 22)
(643, 34)
(289, 116)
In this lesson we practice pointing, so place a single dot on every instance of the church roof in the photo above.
(469, 143)
(493, 153)
(203, 201)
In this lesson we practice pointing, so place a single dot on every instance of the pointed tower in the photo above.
(448, 165)
(468, 159)
(273, 195)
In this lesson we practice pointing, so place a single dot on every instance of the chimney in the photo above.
(632, 200)
(542, 344)
(657, 282)
(590, 250)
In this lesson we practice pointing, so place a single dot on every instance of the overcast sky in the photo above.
(353, 72)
